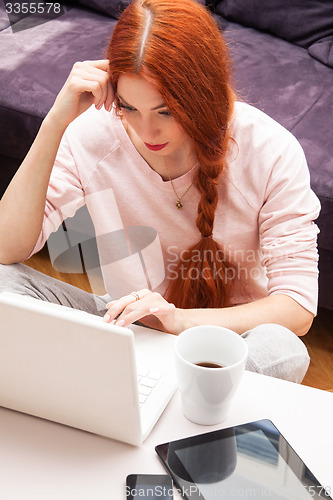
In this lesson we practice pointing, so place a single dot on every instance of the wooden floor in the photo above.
(319, 340)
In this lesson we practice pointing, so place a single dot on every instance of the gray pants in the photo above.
(273, 349)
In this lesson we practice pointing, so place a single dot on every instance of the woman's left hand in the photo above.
(148, 307)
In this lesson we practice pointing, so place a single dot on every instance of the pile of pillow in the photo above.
(308, 23)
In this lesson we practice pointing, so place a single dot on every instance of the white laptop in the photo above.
(70, 367)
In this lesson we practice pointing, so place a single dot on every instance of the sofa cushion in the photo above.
(112, 8)
(302, 22)
(4, 19)
(316, 139)
(323, 50)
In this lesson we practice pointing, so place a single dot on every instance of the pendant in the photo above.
(179, 204)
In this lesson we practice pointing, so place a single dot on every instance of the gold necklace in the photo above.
(179, 204)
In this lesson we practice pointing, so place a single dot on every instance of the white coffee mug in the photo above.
(207, 392)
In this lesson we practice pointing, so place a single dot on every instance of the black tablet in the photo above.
(246, 461)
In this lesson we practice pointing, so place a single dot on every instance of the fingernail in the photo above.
(154, 309)
(110, 107)
(120, 323)
(106, 318)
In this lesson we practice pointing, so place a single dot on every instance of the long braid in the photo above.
(206, 182)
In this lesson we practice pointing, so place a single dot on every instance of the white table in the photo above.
(41, 460)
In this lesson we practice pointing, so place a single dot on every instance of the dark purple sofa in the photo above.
(283, 64)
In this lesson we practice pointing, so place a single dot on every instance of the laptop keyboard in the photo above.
(147, 380)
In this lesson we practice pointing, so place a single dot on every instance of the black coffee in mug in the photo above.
(208, 364)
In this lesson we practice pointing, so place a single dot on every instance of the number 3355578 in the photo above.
(33, 8)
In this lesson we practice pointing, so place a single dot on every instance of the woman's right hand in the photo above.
(88, 83)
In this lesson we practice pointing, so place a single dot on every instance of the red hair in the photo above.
(176, 45)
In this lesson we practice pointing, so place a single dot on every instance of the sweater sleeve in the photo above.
(288, 235)
(65, 194)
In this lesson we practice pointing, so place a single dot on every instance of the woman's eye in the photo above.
(126, 108)
(165, 113)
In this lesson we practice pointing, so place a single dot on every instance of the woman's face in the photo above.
(147, 115)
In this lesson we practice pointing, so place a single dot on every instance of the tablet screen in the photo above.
(247, 461)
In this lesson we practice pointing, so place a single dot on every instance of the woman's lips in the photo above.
(156, 147)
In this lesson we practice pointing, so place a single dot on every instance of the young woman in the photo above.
(202, 206)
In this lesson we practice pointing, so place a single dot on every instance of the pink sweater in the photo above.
(263, 222)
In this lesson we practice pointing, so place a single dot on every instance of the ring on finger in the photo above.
(136, 295)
